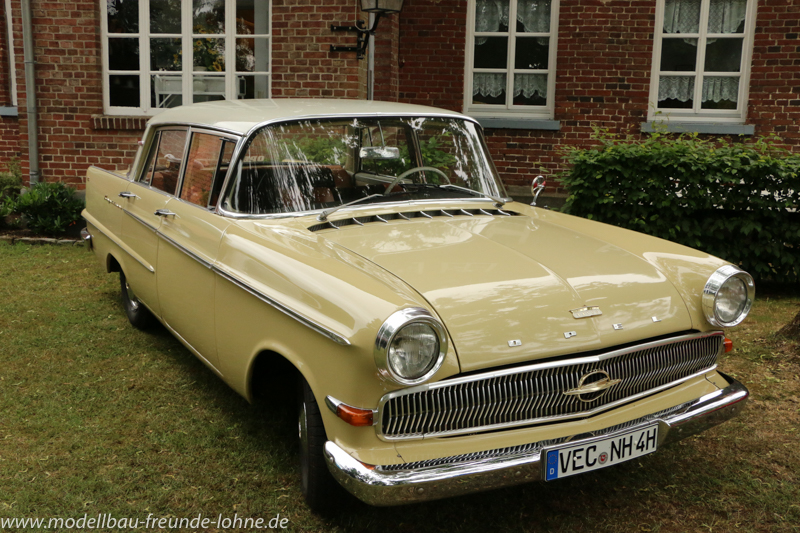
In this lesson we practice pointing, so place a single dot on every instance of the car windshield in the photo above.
(321, 164)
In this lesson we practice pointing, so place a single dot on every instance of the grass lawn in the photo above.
(99, 418)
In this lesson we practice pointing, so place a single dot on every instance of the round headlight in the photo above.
(728, 296)
(410, 346)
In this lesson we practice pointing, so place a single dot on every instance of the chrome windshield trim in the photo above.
(319, 328)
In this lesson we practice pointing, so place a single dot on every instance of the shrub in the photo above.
(10, 188)
(736, 201)
(49, 208)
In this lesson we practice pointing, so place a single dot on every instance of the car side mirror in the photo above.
(537, 187)
(381, 153)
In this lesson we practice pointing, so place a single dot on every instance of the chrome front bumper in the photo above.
(379, 487)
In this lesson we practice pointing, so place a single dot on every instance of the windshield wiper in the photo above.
(324, 215)
(500, 201)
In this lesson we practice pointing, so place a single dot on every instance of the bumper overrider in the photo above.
(377, 486)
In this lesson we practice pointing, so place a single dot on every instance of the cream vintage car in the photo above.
(446, 339)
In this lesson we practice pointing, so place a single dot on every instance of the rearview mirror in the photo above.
(379, 152)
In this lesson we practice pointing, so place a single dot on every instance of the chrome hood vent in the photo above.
(424, 213)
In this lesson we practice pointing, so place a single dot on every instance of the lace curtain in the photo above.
(715, 89)
(494, 85)
(683, 16)
(534, 15)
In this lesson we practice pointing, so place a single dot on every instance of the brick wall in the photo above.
(604, 60)
(302, 65)
(602, 77)
(775, 80)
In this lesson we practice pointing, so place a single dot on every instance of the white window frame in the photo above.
(697, 114)
(509, 110)
(11, 58)
(187, 72)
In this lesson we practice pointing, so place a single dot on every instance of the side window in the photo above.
(168, 148)
(209, 158)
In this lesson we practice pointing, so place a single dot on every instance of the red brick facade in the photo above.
(603, 72)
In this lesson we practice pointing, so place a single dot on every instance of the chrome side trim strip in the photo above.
(124, 247)
(140, 221)
(322, 330)
(384, 487)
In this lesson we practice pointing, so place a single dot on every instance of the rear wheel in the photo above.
(321, 492)
(138, 315)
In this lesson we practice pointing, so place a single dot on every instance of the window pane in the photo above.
(249, 87)
(491, 52)
(123, 54)
(209, 55)
(208, 88)
(676, 92)
(491, 15)
(723, 55)
(147, 173)
(532, 53)
(165, 54)
(530, 89)
(165, 16)
(201, 169)
(679, 54)
(252, 17)
(123, 16)
(727, 16)
(167, 91)
(488, 88)
(720, 93)
(208, 16)
(222, 170)
(123, 91)
(533, 16)
(682, 16)
(252, 55)
(168, 162)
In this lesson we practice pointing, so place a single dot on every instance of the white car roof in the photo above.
(241, 116)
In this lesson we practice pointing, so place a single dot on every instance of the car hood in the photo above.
(505, 285)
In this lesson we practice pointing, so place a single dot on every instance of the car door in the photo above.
(144, 202)
(190, 234)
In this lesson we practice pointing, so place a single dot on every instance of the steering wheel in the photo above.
(412, 171)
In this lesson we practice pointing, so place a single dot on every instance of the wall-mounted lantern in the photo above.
(379, 7)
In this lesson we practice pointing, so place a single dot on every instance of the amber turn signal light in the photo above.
(353, 415)
(728, 345)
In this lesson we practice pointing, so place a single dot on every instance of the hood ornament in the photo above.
(586, 312)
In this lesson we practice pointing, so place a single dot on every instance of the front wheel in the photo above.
(139, 316)
(321, 492)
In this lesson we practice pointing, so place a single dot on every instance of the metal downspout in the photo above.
(30, 92)
(371, 60)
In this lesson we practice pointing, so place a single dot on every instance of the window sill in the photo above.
(713, 128)
(111, 122)
(9, 112)
(519, 123)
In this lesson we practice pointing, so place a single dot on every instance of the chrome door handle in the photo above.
(165, 213)
(125, 194)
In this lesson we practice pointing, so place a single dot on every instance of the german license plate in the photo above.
(592, 454)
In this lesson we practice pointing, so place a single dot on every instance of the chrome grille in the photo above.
(528, 449)
(535, 393)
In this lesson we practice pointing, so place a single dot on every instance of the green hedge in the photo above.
(736, 201)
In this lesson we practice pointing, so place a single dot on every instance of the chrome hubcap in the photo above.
(134, 301)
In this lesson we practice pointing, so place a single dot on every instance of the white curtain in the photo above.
(491, 14)
(488, 84)
(683, 16)
(530, 84)
(725, 16)
(715, 89)
(718, 89)
(494, 85)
